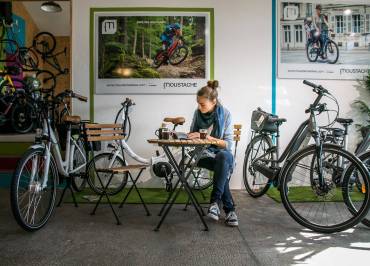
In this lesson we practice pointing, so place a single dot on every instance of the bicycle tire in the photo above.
(116, 121)
(196, 183)
(286, 178)
(11, 50)
(179, 48)
(44, 51)
(28, 59)
(47, 79)
(157, 62)
(309, 50)
(79, 182)
(251, 191)
(365, 158)
(90, 171)
(14, 191)
(22, 117)
(329, 44)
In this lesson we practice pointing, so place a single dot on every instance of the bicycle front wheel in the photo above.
(332, 52)
(358, 185)
(256, 183)
(119, 120)
(179, 55)
(106, 161)
(318, 202)
(32, 200)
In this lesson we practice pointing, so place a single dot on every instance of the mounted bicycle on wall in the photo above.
(45, 43)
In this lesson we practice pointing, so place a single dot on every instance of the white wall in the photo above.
(242, 65)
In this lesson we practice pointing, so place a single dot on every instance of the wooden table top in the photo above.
(182, 142)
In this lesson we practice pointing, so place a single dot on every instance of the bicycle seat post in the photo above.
(277, 141)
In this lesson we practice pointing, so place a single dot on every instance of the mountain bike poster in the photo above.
(323, 39)
(151, 50)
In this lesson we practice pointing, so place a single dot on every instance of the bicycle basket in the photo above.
(260, 121)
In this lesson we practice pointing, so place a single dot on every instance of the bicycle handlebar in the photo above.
(317, 88)
(78, 96)
(128, 102)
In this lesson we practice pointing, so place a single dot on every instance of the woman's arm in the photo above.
(227, 140)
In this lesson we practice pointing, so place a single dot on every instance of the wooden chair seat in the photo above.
(123, 169)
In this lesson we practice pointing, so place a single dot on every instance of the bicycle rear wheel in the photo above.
(32, 204)
(44, 43)
(256, 183)
(104, 161)
(321, 204)
(158, 58)
(331, 52)
(179, 55)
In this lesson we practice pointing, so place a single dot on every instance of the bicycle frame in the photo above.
(54, 63)
(300, 139)
(52, 148)
(173, 47)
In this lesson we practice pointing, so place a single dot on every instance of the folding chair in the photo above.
(111, 132)
(237, 133)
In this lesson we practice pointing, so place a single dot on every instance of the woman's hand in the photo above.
(219, 142)
(194, 135)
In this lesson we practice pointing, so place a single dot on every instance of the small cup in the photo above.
(165, 133)
(203, 133)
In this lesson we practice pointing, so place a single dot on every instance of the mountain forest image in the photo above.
(152, 47)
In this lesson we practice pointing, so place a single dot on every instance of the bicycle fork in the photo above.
(47, 155)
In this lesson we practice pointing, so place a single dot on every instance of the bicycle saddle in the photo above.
(175, 120)
(73, 119)
(345, 121)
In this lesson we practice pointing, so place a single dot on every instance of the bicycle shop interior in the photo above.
(97, 98)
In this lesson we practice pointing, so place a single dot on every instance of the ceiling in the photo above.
(58, 24)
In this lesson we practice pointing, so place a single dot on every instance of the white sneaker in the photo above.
(214, 211)
(231, 219)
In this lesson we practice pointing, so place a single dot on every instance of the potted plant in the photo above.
(364, 107)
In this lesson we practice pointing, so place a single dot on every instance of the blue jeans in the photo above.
(221, 165)
(323, 40)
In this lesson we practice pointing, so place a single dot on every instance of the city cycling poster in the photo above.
(323, 39)
(159, 51)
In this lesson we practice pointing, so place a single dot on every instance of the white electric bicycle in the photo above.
(35, 180)
(159, 165)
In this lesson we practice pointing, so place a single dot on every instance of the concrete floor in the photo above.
(266, 236)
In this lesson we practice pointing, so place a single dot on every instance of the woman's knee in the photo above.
(224, 156)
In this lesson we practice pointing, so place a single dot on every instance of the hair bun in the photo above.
(212, 84)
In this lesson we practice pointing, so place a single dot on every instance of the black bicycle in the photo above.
(324, 205)
(339, 136)
(44, 43)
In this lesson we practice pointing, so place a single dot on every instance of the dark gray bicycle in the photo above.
(324, 205)
(339, 136)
